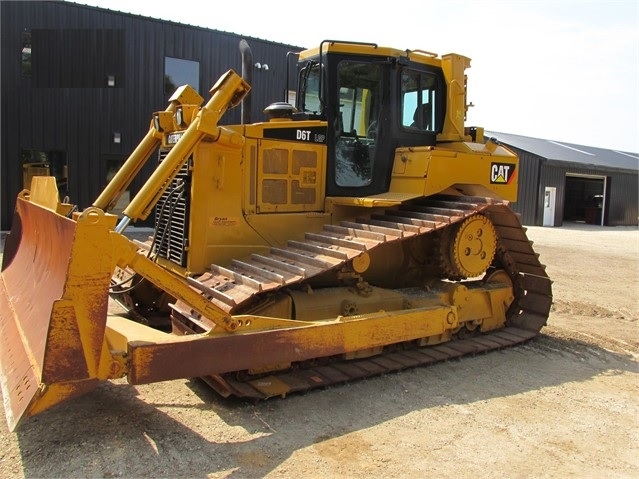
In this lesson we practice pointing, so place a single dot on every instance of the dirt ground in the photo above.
(565, 404)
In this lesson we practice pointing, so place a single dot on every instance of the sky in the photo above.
(560, 70)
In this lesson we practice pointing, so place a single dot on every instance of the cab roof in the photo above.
(371, 49)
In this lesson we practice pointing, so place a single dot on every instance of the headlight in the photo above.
(179, 117)
(156, 122)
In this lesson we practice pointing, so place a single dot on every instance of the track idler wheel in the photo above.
(468, 248)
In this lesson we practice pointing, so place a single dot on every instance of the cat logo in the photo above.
(502, 173)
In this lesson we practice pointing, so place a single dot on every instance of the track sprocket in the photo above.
(468, 249)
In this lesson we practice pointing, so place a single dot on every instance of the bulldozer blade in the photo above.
(51, 325)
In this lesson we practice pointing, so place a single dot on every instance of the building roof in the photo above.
(569, 152)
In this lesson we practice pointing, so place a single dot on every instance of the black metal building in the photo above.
(561, 182)
(79, 85)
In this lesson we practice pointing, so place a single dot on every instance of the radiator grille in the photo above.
(172, 216)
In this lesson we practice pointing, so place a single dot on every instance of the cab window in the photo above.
(418, 101)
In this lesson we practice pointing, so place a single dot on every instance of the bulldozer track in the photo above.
(233, 287)
(338, 372)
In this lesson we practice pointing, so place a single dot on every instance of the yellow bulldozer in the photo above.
(361, 230)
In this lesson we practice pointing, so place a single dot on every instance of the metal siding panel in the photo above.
(80, 121)
(528, 191)
(14, 110)
(10, 122)
(624, 200)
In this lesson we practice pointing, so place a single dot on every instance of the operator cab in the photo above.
(373, 102)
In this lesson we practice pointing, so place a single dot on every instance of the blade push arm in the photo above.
(226, 93)
(184, 95)
(123, 178)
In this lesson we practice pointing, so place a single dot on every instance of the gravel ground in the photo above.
(565, 404)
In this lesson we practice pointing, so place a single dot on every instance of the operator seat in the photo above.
(422, 117)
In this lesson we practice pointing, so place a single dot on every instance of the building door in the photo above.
(585, 199)
(550, 200)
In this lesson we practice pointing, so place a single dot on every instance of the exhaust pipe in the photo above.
(247, 76)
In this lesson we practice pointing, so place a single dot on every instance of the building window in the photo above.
(26, 53)
(45, 163)
(178, 72)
